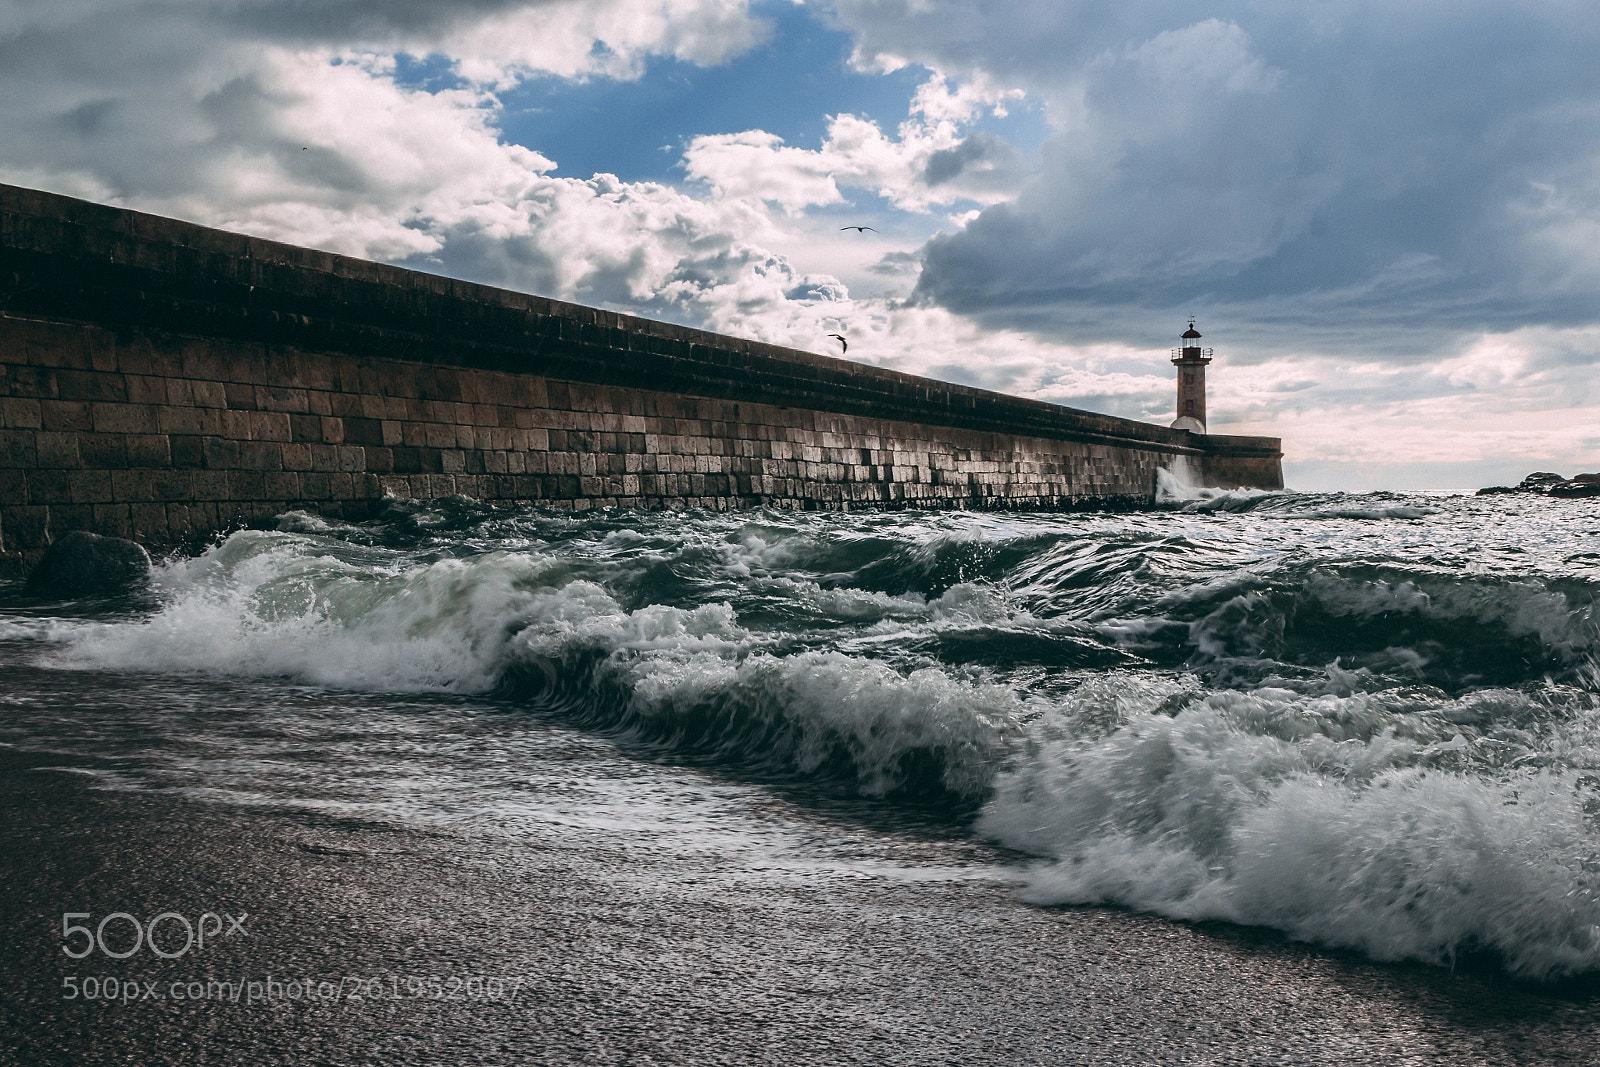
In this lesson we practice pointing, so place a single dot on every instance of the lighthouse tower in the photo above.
(1191, 362)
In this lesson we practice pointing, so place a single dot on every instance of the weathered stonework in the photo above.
(161, 381)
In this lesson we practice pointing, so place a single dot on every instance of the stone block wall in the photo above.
(165, 382)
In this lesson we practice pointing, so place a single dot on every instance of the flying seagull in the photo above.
(858, 229)
(844, 346)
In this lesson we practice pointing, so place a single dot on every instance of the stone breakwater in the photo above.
(1546, 483)
(162, 382)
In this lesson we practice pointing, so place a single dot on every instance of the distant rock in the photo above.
(1545, 483)
(85, 564)
(1582, 485)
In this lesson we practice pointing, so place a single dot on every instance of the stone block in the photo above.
(25, 528)
(64, 415)
(165, 486)
(269, 426)
(220, 453)
(324, 458)
(283, 485)
(209, 394)
(19, 413)
(142, 389)
(360, 430)
(149, 522)
(260, 456)
(202, 361)
(247, 485)
(148, 450)
(189, 420)
(89, 487)
(91, 386)
(281, 398)
(240, 396)
(13, 487)
(305, 428)
(111, 520)
(124, 418)
(211, 485)
(59, 450)
(396, 486)
(133, 354)
(235, 424)
(49, 487)
(180, 521)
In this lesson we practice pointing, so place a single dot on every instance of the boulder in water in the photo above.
(85, 564)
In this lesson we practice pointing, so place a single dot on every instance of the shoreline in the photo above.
(660, 965)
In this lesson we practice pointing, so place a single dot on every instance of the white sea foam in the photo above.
(278, 605)
(27, 629)
(1392, 511)
(677, 666)
(1354, 820)
(1356, 809)
(1174, 488)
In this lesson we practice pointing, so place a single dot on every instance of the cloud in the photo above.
(1386, 219)
(933, 160)
(1410, 169)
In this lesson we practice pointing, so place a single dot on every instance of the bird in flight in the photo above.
(844, 346)
(858, 229)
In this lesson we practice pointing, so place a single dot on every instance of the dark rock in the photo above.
(1591, 479)
(1540, 482)
(1491, 490)
(85, 564)
(1574, 489)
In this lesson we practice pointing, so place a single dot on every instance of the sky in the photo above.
(1385, 218)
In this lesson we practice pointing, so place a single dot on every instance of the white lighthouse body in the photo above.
(1191, 362)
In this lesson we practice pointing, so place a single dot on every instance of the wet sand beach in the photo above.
(668, 961)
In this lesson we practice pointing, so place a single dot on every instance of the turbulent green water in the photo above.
(1371, 721)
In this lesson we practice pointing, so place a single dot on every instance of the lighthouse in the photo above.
(1191, 362)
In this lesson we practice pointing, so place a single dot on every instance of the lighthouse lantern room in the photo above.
(1191, 362)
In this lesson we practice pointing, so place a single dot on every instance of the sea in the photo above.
(1364, 728)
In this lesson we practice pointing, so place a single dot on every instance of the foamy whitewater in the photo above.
(1367, 721)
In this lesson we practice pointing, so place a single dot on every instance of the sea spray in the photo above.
(1365, 721)
(1375, 821)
